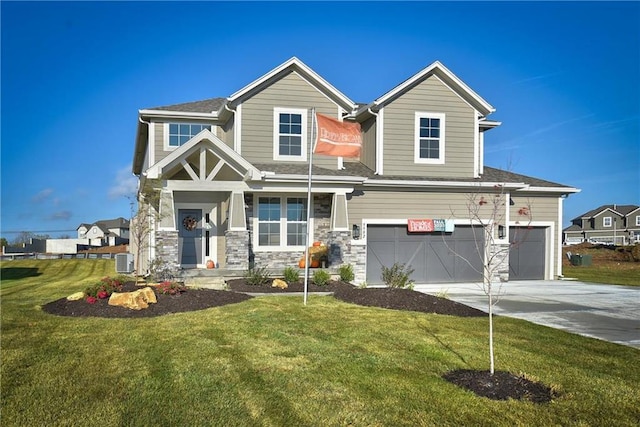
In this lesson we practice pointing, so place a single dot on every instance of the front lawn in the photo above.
(273, 361)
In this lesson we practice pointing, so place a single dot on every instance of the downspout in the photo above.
(377, 172)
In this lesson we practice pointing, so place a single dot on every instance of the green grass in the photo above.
(611, 272)
(271, 361)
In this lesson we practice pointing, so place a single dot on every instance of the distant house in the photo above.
(619, 224)
(108, 232)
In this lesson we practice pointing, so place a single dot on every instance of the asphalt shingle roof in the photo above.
(204, 106)
(356, 169)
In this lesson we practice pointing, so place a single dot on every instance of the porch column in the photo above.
(339, 235)
(167, 215)
(237, 236)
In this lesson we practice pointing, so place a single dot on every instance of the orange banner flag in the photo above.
(336, 138)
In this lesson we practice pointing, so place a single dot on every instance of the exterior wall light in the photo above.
(356, 232)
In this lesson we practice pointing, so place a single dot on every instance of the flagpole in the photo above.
(308, 240)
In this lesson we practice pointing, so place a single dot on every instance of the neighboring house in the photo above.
(109, 232)
(232, 176)
(617, 224)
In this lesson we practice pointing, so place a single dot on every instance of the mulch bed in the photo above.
(190, 300)
(500, 386)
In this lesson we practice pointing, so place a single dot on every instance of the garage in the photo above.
(431, 255)
(527, 253)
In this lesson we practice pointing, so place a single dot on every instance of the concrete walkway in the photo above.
(606, 312)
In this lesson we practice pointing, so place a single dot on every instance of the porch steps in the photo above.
(209, 278)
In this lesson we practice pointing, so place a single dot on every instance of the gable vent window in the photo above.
(179, 133)
(429, 138)
(290, 134)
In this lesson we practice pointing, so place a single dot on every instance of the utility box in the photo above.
(581, 260)
(124, 263)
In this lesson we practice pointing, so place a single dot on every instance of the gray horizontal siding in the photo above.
(291, 91)
(399, 126)
(368, 154)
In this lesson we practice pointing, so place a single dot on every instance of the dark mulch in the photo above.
(240, 285)
(190, 300)
(501, 386)
(405, 299)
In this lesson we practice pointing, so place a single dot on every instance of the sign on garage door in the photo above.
(431, 255)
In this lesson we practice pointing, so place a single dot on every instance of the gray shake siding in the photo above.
(431, 96)
(291, 91)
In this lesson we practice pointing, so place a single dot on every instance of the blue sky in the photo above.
(564, 79)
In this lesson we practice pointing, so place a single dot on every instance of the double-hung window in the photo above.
(607, 221)
(429, 138)
(281, 222)
(179, 133)
(290, 134)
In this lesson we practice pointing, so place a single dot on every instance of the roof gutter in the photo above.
(443, 184)
(177, 114)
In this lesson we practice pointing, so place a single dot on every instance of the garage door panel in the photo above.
(432, 256)
(527, 253)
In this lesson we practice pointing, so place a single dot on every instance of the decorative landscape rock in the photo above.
(278, 283)
(75, 297)
(136, 300)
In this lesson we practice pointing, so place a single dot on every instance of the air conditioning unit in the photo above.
(124, 263)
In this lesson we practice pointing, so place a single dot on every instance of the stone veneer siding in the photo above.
(167, 248)
(237, 250)
(500, 268)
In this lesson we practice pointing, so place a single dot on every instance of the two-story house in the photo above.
(232, 175)
(107, 232)
(613, 224)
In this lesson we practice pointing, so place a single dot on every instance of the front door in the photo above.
(190, 237)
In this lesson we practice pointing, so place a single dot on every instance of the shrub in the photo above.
(104, 288)
(291, 275)
(170, 288)
(321, 277)
(346, 273)
(398, 276)
(257, 276)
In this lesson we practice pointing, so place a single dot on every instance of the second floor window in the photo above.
(607, 221)
(429, 138)
(179, 133)
(290, 134)
(638, 221)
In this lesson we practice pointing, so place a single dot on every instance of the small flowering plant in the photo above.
(170, 288)
(103, 289)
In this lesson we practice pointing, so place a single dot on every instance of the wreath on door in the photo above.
(189, 223)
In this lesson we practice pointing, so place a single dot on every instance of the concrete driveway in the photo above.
(606, 312)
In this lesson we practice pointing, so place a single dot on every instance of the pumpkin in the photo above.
(301, 264)
(315, 263)
(211, 264)
(317, 243)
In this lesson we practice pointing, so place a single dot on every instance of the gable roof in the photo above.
(447, 77)
(207, 138)
(622, 210)
(293, 65)
(105, 224)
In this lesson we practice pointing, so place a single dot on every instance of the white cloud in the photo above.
(42, 195)
(126, 184)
